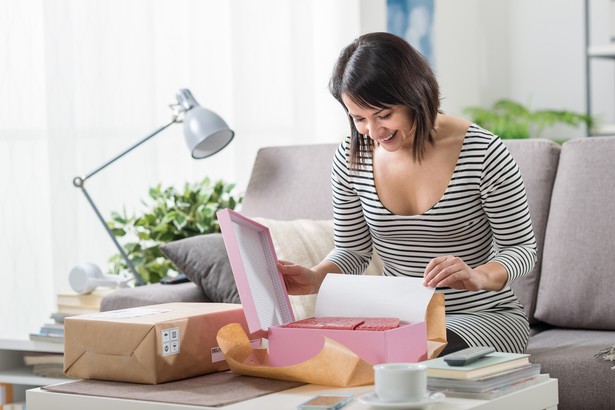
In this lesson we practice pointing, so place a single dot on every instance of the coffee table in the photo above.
(537, 397)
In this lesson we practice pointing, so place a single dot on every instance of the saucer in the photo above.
(373, 400)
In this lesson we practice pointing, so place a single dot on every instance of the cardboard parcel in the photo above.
(306, 354)
(151, 344)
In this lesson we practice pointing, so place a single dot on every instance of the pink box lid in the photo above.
(253, 260)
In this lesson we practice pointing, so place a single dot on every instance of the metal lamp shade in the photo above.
(205, 132)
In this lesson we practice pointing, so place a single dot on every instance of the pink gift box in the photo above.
(267, 306)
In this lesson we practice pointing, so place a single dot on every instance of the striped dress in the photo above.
(483, 216)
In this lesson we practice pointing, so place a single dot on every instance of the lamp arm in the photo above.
(112, 236)
(79, 182)
(126, 151)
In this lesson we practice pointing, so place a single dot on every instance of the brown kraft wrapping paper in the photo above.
(435, 318)
(335, 365)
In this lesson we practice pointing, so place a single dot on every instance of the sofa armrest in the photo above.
(152, 295)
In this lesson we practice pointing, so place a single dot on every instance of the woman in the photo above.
(438, 197)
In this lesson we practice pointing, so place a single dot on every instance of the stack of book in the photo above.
(69, 304)
(6, 394)
(20, 405)
(45, 364)
(51, 332)
(492, 376)
(78, 304)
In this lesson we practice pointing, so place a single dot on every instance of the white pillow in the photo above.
(306, 242)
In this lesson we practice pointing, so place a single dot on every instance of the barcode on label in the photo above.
(216, 354)
(170, 341)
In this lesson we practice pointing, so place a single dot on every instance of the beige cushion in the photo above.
(576, 285)
(306, 242)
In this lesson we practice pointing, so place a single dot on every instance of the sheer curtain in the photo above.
(82, 80)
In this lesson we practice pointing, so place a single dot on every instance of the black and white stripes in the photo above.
(483, 216)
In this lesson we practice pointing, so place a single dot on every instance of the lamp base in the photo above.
(86, 277)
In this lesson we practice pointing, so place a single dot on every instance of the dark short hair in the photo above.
(379, 70)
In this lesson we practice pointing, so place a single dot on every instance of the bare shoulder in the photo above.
(451, 130)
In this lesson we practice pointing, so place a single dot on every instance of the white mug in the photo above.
(400, 382)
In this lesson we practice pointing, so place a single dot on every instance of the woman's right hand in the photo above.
(299, 280)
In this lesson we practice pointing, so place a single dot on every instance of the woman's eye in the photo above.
(357, 120)
(385, 116)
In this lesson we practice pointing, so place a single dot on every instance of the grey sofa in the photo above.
(568, 296)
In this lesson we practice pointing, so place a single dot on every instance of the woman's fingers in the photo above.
(450, 271)
(298, 279)
(433, 272)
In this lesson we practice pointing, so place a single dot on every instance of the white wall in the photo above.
(602, 19)
(532, 51)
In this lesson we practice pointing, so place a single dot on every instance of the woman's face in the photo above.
(391, 127)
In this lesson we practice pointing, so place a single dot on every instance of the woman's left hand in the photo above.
(453, 272)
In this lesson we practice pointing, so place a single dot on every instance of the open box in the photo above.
(267, 306)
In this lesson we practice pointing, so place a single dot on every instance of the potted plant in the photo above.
(510, 119)
(170, 214)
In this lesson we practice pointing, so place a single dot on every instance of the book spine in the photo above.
(495, 393)
(55, 331)
(6, 393)
(47, 337)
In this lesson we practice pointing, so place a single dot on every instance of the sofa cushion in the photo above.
(204, 260)
(585, 382)
(152, 295)
(306, 242)
(537, 160)
(575, 289)
(302, 241)
(291, 182)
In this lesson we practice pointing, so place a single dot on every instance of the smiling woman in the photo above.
(382, 124)
(435, 195)
(362, 67)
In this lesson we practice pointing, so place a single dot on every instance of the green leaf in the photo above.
(510, 119)
(168, 214)
(119, 232)
(119, 218)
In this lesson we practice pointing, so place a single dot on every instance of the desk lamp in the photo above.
(205, 133)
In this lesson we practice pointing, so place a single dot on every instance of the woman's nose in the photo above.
(373, 129)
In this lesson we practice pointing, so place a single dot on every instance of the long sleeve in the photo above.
(505, 203)
(353, 242)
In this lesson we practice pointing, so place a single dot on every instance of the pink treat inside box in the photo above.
(267, 307)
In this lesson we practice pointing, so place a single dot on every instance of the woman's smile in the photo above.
(387, 139)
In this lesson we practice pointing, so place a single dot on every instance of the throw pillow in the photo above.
(577, 265)
(204, 260)
(302, 241)
(306, 242)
